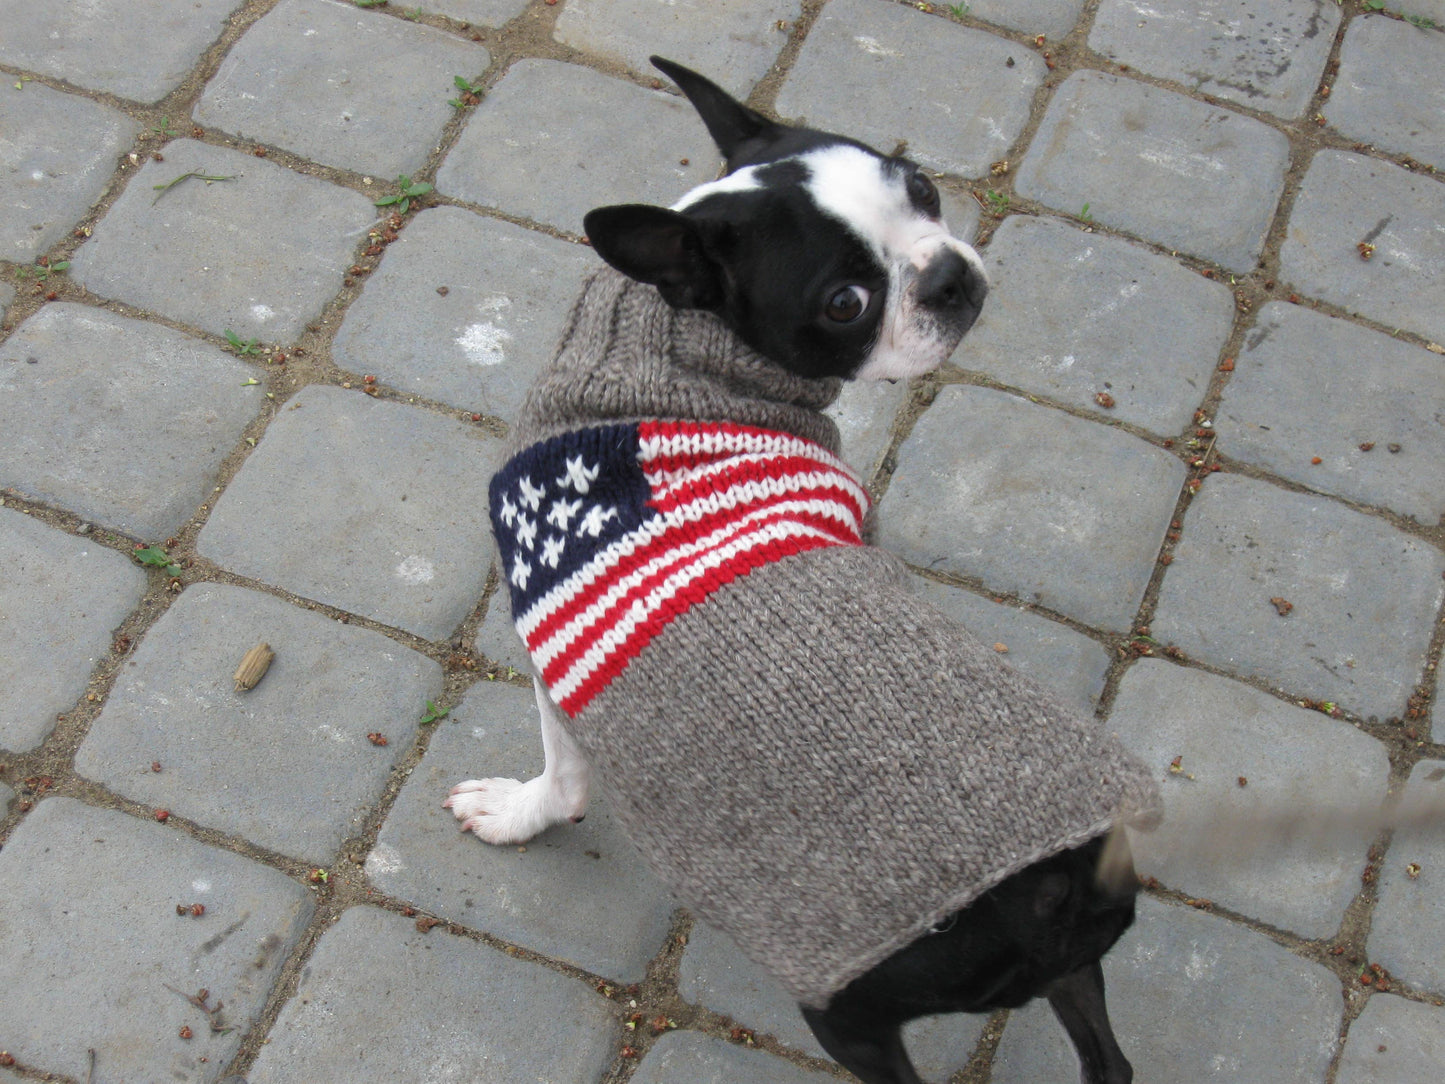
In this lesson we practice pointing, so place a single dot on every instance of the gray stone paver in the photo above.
(463, 309)
(382, 1003)
(388, 519)
(343, 86)
(715, 975)
(1408, 923)
(1054, 18)
(733, 41)
(59, 151)
(497, 637)
(328, 688)
(1068, 662)
(1050, 508)
(865, 413)
(1347, 200)
(1263, 54)
(64, 597)
(137, 52)
(118, 420)
(1222, 732)
(859, 53)
(1073, 315)
(89, 900)
(1178, 144)
(258, 255)
(1193, 997)
(1363, 595)
(1434, 10)
(1385, 93)
(1307, 387)
(1159, 165)
(1394, 1039)
(686, 1055)
(478, 12)
(614, 143)
(579, 893)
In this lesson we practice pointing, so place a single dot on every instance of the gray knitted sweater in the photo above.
(816, 761)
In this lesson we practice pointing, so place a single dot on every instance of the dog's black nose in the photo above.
(949, 283)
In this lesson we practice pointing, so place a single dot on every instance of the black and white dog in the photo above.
(832, 260)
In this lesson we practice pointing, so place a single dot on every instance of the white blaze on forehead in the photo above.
(744, 180)
(856, 188)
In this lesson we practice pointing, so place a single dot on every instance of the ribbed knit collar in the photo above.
(626, 354)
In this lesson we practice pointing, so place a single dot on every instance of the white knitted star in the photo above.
(594, 520)
(552, 550)
(579, 475)
(531, 495)
(526, 532)
(521, 573)
(560, 514)
(509, 510)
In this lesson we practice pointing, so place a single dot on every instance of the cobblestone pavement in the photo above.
(1188, 469)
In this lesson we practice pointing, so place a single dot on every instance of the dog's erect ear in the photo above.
(659, 247)
(732, 125)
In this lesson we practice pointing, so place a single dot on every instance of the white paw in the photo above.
(508, 811)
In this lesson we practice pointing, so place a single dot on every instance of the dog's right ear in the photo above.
(660, 247)
(733, 126)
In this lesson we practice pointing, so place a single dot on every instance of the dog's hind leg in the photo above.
(509, 811)
(1078, 1001)
(870, 1049)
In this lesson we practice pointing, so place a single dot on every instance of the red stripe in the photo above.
(761, 471)
(622, 605)
(683, 533)
(694, 593)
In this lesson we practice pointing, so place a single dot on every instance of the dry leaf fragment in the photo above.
(1282, 606)
(253, 667)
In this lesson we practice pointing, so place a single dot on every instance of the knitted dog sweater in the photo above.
(816, 761)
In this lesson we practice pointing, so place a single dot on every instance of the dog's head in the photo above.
(822, 254)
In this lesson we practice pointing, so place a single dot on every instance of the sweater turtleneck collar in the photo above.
(626, 355)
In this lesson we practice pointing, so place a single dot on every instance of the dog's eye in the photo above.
(847, 304)
(923, 192)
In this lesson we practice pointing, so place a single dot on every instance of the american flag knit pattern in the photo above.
(607, 534)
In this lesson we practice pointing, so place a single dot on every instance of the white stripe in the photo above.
(615, 637)
(622, 548)
(752, 490)
(560, 640)
(657, 446)
(668, 482)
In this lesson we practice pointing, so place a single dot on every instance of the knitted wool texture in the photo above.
(817, 762)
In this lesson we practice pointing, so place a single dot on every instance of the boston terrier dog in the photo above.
(867, 800)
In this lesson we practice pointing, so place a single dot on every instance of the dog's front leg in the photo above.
(509, 811)
(1078, 1001)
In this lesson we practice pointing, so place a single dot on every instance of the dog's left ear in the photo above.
(660, 247)
(738, 131)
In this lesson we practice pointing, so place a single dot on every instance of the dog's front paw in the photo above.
(502, 810)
